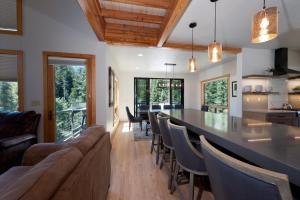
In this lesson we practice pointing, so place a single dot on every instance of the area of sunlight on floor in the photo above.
(125, 128)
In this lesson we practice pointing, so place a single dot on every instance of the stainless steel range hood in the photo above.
(287, 63)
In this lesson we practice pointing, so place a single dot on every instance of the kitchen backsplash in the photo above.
(266, 101)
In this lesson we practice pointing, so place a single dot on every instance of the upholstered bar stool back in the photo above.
(232, 179)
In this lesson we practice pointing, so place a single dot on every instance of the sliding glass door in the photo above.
(158, 91)
(177, 92)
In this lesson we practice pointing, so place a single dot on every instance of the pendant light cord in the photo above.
(166, 70)
(173, 71)
(264, 4)
(215, 33)
(192, 42)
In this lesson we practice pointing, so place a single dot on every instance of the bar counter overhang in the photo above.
(271, 146)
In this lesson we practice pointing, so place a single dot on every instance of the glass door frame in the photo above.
(49, 106)
(148, 91)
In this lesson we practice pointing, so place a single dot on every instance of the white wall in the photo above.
(230, 68)
(110, 62)
(257, 61)
(126, 79)
(294, 59)
(57, 25)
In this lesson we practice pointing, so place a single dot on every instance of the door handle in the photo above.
(50, 115)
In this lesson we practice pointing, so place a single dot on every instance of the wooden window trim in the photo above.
(227, 76)
(19, 21)
(20, 70)
(91, 88)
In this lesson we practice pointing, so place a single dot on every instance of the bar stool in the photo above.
(167, 145)
(232, 179)
(187, 158)
(155, 134)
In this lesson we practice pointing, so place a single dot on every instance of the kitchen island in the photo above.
(265, 144)
(287, 117)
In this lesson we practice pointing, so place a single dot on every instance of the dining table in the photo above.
(268, 145)
(144, 114)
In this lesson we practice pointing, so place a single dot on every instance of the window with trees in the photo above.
(11, 80)
(158, 91)
(215, 94)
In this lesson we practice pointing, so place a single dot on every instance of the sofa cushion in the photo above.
(17, 123)
(42, 180)
(38, 152)
(11, 176)
(87, 139)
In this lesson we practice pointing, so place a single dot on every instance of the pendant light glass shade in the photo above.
(215, 52)
(215, 48)
(192, 64)
(265, 25)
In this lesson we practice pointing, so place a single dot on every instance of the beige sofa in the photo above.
(76, 170)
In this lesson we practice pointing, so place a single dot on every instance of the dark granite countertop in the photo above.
(271, 146)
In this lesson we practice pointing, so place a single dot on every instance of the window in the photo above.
(9, 96)
(215, 94)
(158, 91)
(11, 17)
(11, 80)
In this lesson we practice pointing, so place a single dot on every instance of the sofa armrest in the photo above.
(38, 152)
(11, 141)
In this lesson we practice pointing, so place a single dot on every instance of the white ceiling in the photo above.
(153, 59)
(234, 29)
(234, 22)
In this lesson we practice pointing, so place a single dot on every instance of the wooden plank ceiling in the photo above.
(135, 22)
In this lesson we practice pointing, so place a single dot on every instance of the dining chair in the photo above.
(187, 158)
(232, 179)
(132, 119)
(156, 107)
(204, 108)
(155, 134)
(144, 107)
(143, 113)
(167, 146)
(179, 106)
(167, 107)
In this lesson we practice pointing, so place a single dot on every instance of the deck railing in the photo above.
(70, 123)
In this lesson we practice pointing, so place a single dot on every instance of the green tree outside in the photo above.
(216, 93)
(160, 92)
(8, 96)
(70, 93)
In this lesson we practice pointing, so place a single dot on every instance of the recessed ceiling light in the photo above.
(140, 55)
(137, 68)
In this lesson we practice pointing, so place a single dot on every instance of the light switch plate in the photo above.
(35, 103)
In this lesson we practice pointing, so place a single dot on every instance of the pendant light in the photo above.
(192, 60)
(265, 24)
(215, 48)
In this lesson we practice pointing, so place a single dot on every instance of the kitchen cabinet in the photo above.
(279, 117)
(283, 118)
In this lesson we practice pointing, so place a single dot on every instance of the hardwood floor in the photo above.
(134, 172)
